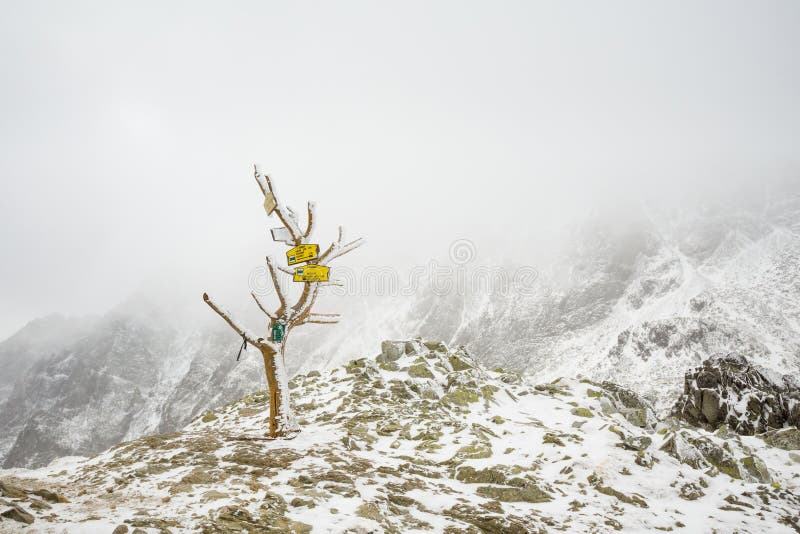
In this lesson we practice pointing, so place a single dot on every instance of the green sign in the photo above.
(278, 331)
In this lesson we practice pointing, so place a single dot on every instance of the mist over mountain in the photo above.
(637, 303)
(375, 267)
(642, 301)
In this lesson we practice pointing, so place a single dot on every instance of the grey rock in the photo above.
(393, 350)
(728, 390)
(756, 469)
(16, 513)
(615, 398)
(787, 439)
(637, 443)
(691, 492)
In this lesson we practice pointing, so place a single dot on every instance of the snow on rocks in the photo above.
(422, 438)
(728, 390)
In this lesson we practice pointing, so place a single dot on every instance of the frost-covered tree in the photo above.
(281, 418)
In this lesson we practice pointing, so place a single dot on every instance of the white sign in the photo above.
(282, 234)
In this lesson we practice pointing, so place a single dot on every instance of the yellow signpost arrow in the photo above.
(311, 273)
(302, 253)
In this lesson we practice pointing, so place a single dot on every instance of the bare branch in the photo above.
(305, 303)
(300, 306)
(261, 306)
(226, 316)
(332, 245)
(286, 215)
(332, 283)
(312, 208)
(278, 289)
(336, 250)
(325, 315)
(286, 270)
(319, 321)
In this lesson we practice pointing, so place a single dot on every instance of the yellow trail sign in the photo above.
(269, 203)
(302, 253)
(311, 273)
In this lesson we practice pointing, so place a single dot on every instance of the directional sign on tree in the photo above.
(302, 253)
(269, 203)
(282, 234)
(311, 273)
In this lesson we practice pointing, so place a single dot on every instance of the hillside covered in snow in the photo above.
(635, 303)
(424, 438)
(639, 302)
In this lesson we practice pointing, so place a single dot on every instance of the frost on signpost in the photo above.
(313, 275)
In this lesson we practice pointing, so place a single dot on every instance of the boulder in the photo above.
(393, 350)
(489, 475)
(756, 469)
(701, 453)
(636, 443)
(787, 439)
(728, 390)
(529, 493)
(12, 492)
(614, 398)
(15, 513)
(690, 492)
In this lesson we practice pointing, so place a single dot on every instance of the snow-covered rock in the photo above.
(728, 390)
(429, 441)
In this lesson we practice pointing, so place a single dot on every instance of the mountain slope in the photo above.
(639, 303)
(37, 340)
(421, 439)
(122, 379)
(635, 303)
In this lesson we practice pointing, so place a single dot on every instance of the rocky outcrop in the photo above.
(618, 399)
(787, 439)
(728, 390)
(421, 438)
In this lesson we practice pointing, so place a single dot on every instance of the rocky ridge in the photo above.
(728, 390)
(422, 438)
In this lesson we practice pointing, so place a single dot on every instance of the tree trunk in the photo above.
(281, 418)
(274, 392)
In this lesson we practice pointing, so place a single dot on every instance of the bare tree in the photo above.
(281, 418)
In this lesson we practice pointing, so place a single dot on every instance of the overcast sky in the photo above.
(128, 130)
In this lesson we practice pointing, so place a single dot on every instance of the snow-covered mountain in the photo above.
(640, 302)
(124, 375)
(37, 340)
(636, 302)
(424, 439)
(79, 387)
